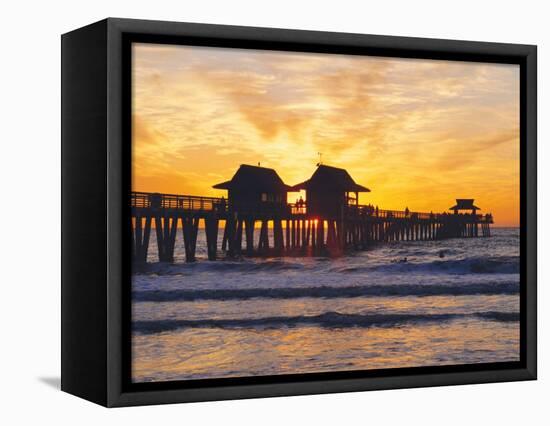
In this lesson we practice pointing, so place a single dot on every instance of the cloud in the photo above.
(417, 132)
(459, 153)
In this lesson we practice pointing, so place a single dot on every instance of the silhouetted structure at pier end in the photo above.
(329, 221)
(464, 204)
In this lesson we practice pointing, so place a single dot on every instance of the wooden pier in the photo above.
(295, 230)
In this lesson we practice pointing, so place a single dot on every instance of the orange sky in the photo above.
(418, 133)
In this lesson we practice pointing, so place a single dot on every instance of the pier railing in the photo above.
(295, 230)
(175, 202)
(194, 203)
(371, 211)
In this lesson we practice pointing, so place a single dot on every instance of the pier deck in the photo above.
(295, 232)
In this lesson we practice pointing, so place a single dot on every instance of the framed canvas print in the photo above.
(253, 212)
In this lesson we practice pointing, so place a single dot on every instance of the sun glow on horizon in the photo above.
(418, 133)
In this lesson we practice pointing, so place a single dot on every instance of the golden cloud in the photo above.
(417, 132)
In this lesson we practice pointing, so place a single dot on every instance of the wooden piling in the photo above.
(263, 243)
(190, 229)
(141, 235)
(278, 240)
(249, 234)
(211, 229)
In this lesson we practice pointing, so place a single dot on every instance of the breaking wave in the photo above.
(478, 265)
(509, 288)
(473, 265)
(326, 320)
(221, 266)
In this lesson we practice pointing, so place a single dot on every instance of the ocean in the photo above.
(399, 304)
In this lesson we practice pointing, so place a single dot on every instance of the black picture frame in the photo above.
(96, 177)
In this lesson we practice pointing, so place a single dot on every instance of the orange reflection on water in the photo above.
(209, 353)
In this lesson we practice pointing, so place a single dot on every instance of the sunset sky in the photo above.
(418, 133)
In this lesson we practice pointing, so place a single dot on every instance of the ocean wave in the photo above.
(421, 265)
(478, 265)
(326, 320)
(499, 316)
(509, 288)
(221, 266)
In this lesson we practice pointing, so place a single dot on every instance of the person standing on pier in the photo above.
(301, 204)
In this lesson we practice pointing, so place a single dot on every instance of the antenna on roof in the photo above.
(320, 154)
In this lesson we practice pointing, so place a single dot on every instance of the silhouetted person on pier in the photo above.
(376, 210)
(301, 204)
(222, 204)
(406, 211)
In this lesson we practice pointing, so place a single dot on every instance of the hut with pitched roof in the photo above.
(464, 204)
(254, 194)
(254, 186)
(328, 190)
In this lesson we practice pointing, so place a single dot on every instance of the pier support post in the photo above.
(165, 227)
(320, 239)
(293, 233)
(249, 234)
(287, 232)
(303, 228)
(263, 245)
(190, 230)
(171, 238)
(160, 237)
(140, 238)
(211, 227)
(224, 238)
(340, 237)
(229, 234)
(238, 239)
(278, 242)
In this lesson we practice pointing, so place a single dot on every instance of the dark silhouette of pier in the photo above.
(330, 221)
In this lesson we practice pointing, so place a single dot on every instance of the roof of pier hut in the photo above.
(254, 179)
(464, 204)
(330, 178)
